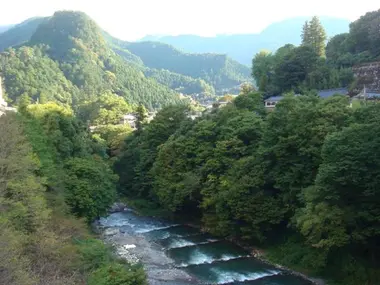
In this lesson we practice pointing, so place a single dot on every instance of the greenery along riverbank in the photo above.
(301, 180)
(49, 166)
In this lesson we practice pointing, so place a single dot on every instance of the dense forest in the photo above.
(312, 65)
(216, 69)
(46, 196)
(299, 182)
(186, 75)
(19, 34)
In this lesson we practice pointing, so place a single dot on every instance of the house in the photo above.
(4, 105)
(366, 96)
(271, 102)
(129, 119)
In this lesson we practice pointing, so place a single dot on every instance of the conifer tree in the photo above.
(314, 35)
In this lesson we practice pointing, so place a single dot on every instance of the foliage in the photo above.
(314, 36)
(361, 44)
(300, 180)
(69, 61)
(216, 69)
(36, 240)
(140, 152)
(90, 187)
(107, 109)
(181, 83)
(28, 71)
(117, 274)
(20, 33)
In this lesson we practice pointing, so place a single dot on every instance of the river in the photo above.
(175, 254)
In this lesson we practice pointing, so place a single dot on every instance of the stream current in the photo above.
(175, 254)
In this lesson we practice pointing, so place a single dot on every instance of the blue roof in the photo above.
(373, 94)
(274, 98)
(322, 93)
(330, 92)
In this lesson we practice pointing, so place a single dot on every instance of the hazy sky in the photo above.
(132, 19)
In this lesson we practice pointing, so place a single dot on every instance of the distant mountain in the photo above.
(5, 28)
(67, 60)
(183, 72)
(216, 69)
(20, 33)
(243, 47)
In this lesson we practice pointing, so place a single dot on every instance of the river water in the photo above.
(175, 254)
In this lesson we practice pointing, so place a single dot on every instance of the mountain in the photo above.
(5, 28)
(68, 60)
(20, 33)
(184, 72)
(243, 47)
(218, 70)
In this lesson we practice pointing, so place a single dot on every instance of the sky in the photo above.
(133, 19)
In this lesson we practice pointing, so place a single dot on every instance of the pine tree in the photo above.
(314, 35)
(305, 34)
(142, 115)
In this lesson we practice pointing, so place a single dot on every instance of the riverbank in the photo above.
(146, 208)
(135, 246)
(137, 249)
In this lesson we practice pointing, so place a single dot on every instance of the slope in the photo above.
(243, 47)
(5, 28)
(216, 69)
(75, 44)
(20, 33)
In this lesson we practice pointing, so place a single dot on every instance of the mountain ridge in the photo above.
(216, 72)
(242, 47)
(70, 45)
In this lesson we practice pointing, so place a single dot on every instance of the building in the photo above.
(367, 75)
(366, 96)
(272, 101)
(4, 105)
(130, 119)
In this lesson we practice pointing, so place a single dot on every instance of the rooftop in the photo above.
(322, 93)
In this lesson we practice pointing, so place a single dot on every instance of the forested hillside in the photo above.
(186, 70)
(216, 69)
(50, 168)
(67, 60)
(20, 33)
(299, 182)
(312, 65)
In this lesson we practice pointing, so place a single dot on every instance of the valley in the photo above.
(266, 141)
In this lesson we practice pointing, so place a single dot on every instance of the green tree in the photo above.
(292, 72)
(262, 66)
(141, 117)
(314, 36)
(90, 187)
(118, 274)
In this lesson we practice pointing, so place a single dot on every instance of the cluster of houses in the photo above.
(364, 95)
(131, 119)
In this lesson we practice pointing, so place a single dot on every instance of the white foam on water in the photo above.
(225, 277)
(129, 246)
(153, 228)
(179, 243)
(199, 258)
(212, 240)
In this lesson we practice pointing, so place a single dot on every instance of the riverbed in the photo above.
(175, 254)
